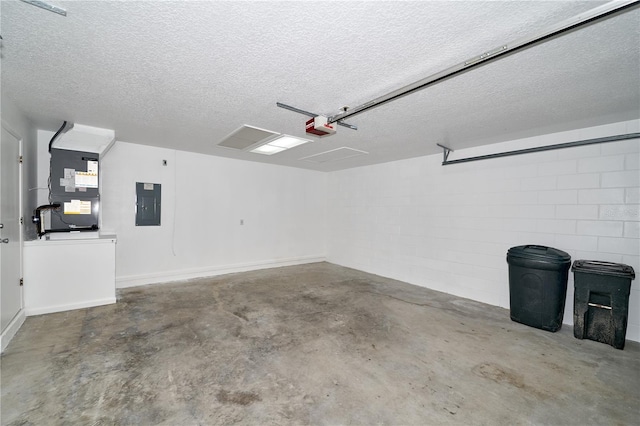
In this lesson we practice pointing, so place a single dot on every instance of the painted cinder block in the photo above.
(628, 178)
(576, 242)
(629, 246)
(601, 196)
(577, 212)
(601, 164)
(632, 230)
(538, 183)
(632, 161)
(557, 168)
(556, 226)
(565, 196)
(632, 196)
(602, 228)
(579, 181)
(620, 212)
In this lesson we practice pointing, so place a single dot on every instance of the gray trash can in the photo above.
(538, 285)
(601, 301)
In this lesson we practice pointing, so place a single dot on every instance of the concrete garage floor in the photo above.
(310, 344)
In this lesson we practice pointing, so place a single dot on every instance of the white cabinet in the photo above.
(60, 275)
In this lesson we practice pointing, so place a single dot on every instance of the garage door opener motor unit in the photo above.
(318, 126)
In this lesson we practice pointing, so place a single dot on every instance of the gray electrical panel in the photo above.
(74, 185)
(148, 197)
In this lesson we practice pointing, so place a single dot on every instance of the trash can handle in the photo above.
(537, 247)
(601, 262)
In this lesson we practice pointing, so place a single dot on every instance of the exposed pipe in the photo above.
(567, 25)
(47, 6)
(616, 138)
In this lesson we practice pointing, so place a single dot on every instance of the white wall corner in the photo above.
(11, 329)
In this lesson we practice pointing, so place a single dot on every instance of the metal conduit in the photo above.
(616, 138)
(570, 24)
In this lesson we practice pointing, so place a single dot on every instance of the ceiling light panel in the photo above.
(279, 144)
(268, 149)
(288, 142)
(246, 137)
(334, 155)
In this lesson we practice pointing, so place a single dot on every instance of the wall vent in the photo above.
(246, 137)
(334, 155)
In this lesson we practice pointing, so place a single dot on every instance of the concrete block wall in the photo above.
(449, 227)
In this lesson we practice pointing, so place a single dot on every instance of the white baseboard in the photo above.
(60, 308)
(188, 274)
(12, 329)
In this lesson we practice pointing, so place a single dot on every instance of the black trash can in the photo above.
(601, 301)
(538, 285)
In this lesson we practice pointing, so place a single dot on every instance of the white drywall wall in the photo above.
(449, 227)
(204, 200)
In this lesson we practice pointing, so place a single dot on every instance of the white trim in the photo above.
(70, 307)
(12, 329)
(19, 318)
(10, 129)
(187, 274)
(73, 239)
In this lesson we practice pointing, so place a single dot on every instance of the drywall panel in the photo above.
(449, 227)
(218, 215)
(69, 274)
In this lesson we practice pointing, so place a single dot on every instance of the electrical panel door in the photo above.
(148, 197)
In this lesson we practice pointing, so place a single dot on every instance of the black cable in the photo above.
(50, 144)
(56, 135)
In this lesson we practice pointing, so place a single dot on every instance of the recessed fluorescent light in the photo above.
(268, 149)
(286, 141)
(279, 144)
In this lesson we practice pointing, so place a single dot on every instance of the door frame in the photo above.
(15, 324)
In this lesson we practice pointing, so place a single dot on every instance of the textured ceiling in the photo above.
(184, 75)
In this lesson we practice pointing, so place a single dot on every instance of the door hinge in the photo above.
(21, 220)
(20, 159)
(21, 282)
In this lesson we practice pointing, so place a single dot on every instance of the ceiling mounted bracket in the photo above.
(445, 152)
(311, 114)
(548, 33)
(46, 6)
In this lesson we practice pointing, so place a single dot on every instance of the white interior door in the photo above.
(10, 228)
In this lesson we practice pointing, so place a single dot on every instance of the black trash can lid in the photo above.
(604, 268)
(543, 253)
